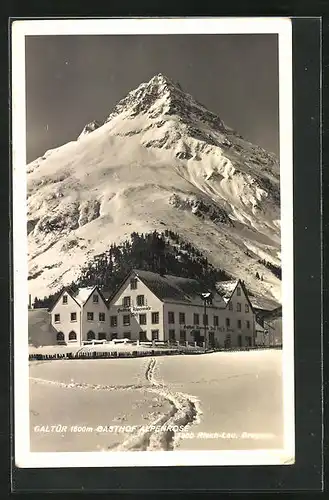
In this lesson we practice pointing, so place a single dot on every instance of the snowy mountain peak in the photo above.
(161, 160)
(158, 92)
(164, 84)
(160, 79)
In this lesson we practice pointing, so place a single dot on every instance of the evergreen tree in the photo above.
(165, 253)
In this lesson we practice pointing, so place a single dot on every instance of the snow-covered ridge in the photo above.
(160, 160)
(90, 127)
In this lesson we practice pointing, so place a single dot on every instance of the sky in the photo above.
(72, 80)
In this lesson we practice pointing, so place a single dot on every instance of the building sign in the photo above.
(202, 327)
(134, 310)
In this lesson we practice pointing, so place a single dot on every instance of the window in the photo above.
(126, 302)
(127, 335)
(142, 319)
(142, 336)
(126, 320)
(205, 319)
(171, 317)
(72, 336)
(133, 284)
(182, 335)
(227, 321)
(64, 299)
(196, 319)
(246, 308)
(248, 324)
(155, 334)
(101, 316)
(102, 336)
(155, 318)
(239, 324)
(90, 316)
(182, 318)
(60, 337)
(230, 306)
(114, 321)
(216, 322)
(114, 336)
(90, 335)
(140, 300)
(57, 318)
(238, 291)
(172, 335)
(73, 316)
(238, 307)
(95, 298)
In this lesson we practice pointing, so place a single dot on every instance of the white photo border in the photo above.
(101, 26)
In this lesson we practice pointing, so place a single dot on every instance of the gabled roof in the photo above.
(65, 290)
(83, 294)
(169, 288)
(226, 288)
(271, 315)
(263, 304)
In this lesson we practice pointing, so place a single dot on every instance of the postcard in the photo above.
(153, 242)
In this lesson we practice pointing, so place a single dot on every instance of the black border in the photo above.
(306, 473)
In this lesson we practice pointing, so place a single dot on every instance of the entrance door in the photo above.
(90, 335)
(197, 336)
(227, 343)
(239, 340)
(212, 339)
(142, 336)
(60, 338)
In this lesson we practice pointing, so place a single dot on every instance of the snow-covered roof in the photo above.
(263, 303)
(172, 288)
(226, 288)
(271, 315)
(83, 294)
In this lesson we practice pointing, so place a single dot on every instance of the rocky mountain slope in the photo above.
(160, 160)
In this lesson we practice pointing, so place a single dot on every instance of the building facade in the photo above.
(80, 317)
(151, 307)
(239, 315)
(135, 312)
(148, 306)
(270, 328)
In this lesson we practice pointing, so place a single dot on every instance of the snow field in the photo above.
(205, 402)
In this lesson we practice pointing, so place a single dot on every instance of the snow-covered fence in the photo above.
(103, 354)
(157, 351)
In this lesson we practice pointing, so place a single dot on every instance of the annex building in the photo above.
(80, 317)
